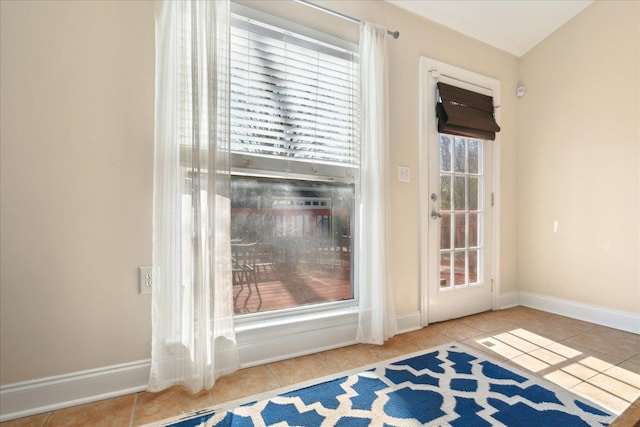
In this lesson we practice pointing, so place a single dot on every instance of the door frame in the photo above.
(429, 72)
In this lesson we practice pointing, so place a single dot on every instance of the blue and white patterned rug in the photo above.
(451, 385)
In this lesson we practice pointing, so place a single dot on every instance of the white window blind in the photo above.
(293, 102)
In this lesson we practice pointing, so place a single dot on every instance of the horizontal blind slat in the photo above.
(292, 97)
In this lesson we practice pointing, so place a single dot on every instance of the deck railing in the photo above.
(293, 236)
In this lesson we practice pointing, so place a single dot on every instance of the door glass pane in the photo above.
(445, 231)
(445, 192)
(460, 153)
(460, 268)
(473, 266)
(445, 270)
(474, 188)
(445, 153)
(459, 190)
(474, 157)
(474, 230)
(460, 232)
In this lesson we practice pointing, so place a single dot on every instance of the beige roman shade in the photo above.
(465, 113)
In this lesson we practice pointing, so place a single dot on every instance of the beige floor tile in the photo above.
(557, 328)
(346, 358)
(455, 329)
(596, 363)
(520, 315)
(616, 334)
(299, 369)
(34, 421)
(616, 387)
(609, 341)
(602, 397)
(107, 413)
(493, 347)
(169, 403)
(529, 363)
(630, 417)
(244, 383)
(575, 361)
(635, 359)
(515, 341)
(562, 378)
(393, 347)
(490, 321)
(630, 367)
(588, 357)
(580, 371)
(531, 337)
(556, 356)
(426, 338)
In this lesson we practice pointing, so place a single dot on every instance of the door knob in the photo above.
(436, 215)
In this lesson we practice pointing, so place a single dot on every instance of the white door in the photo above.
(456, 208)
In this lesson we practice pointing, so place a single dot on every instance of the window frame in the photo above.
(274, 335)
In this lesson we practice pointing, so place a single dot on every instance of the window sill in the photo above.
(269, 337)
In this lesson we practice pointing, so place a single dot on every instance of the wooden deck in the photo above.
(307, 285)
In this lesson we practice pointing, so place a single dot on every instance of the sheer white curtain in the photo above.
(377, 320)
(193, 339)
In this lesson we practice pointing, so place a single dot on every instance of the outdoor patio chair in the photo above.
(244, 273)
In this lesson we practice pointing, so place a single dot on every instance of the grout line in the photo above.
(133, 411)
(46, 419)
(331, 367)
(368, 350)
(274, 375)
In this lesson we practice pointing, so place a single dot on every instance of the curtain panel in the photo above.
(377, 320)
(193, 338)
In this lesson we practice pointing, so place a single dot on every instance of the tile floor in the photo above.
(599, 363)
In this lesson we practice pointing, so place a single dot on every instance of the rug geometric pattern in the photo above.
(449, 386)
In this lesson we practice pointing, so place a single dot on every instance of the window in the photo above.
(294, 150)
(461, 208)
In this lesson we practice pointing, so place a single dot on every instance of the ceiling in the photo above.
(514, 26)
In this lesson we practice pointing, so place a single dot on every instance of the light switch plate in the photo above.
(404, 174)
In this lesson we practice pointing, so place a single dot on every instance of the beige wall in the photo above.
(579, 140)
(77, 159)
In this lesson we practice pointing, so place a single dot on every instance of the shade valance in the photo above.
(465, 113)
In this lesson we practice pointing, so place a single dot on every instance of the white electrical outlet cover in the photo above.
(145, 280)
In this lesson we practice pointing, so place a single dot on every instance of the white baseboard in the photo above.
(257, 346)
(616, 319)
(62, 391)
(408, 322)
(508, 300)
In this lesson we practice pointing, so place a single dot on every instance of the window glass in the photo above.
(295, 149)
(302, 236)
